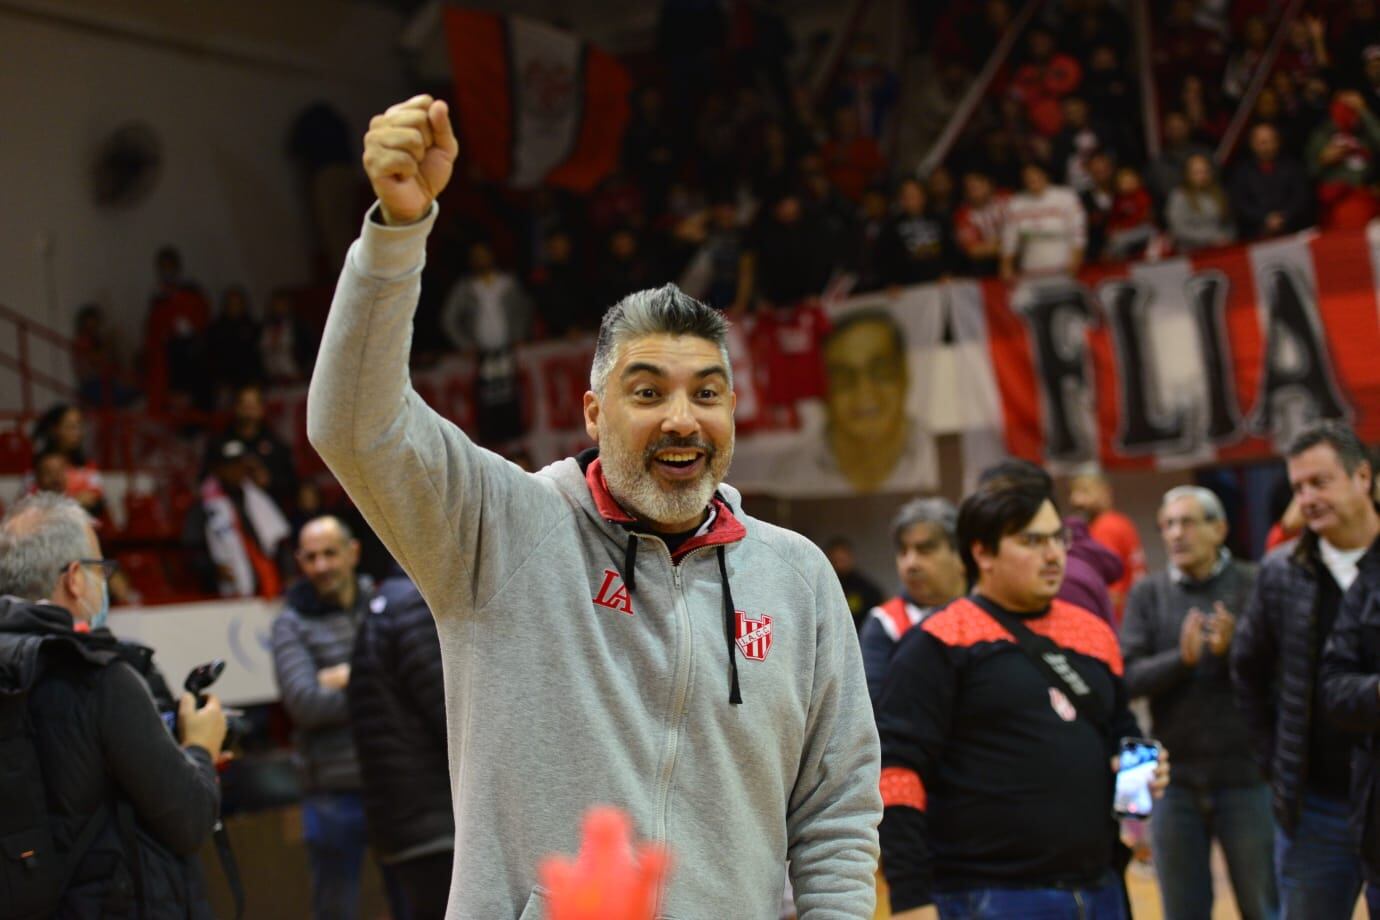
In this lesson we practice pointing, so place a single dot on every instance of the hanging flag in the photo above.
(535, 105)
(1218, 357)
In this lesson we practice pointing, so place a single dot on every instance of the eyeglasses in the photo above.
(108, 566)
(1185, 523)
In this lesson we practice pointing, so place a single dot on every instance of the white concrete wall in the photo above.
(220, 83)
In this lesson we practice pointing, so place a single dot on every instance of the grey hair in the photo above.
(1206, 499)
(1088, 471)
(39, 537)
(939, 512)
(656, 311)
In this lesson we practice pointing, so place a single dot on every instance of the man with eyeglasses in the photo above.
(128, 806)
(1175, 640)
(997, 774)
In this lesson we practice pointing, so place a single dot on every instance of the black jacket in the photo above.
(1192, 708)
(103, 746)
(1350, 678)
(1274, 668)
(989, 778)
(398, 713)
(307, 636)
(1256, 193)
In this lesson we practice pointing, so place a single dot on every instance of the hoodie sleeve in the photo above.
(831, 821)
(424, 487)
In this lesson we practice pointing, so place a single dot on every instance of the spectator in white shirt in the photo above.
(1046, 229)
(487, 310)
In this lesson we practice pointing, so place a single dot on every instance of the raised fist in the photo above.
(409, 153)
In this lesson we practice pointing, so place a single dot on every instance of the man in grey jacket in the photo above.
(1175, 638)
(614, 629)
(313, 639)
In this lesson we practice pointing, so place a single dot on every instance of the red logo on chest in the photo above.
(754, 636)
(613, 594)
(1061, 705)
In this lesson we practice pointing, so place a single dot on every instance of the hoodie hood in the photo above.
(24, 626)
(1099, 558)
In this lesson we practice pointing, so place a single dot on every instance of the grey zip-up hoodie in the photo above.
(582, 666)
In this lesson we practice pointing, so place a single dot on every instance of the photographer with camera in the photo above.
(102, 812)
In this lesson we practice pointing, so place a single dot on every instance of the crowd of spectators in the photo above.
(757, 194)
(753, 194)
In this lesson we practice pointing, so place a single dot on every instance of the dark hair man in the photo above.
(1089, 567)
(931, 575)
(997, 782)
(1175, 638)
(127, 804)
(1274, 665)
(614, 628)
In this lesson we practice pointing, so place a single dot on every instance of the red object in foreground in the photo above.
(606, 881)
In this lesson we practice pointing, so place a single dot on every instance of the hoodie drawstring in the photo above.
(630, 564)
(735, 698)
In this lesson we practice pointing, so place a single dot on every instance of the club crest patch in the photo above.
(1061, 705)
(754, 636)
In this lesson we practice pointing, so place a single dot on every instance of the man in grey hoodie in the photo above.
(614, 628)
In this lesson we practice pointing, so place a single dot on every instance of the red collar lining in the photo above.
(725, 529)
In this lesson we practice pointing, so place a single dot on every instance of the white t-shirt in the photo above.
(1044, 231)
(1341, 562)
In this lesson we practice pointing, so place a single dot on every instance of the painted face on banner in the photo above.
(665, 428)
(868, 380)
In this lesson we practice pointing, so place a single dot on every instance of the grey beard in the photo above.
(631, 482)
(638, 492)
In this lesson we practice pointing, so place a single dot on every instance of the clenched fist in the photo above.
(409, 153)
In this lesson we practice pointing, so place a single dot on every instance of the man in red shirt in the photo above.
(1091, 496)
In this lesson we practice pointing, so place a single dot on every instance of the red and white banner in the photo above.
(832, 402)
(535, 104)
(1215, 358)
(1189, 361)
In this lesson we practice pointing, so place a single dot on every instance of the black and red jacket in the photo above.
(990, 778)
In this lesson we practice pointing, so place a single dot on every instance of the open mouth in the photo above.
(679, 462)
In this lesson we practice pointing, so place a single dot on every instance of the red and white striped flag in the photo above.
(1217, 357)
(536, 105)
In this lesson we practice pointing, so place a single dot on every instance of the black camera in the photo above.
(201, 677)
(198, 679)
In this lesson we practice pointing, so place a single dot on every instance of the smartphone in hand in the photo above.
(1139, 757)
